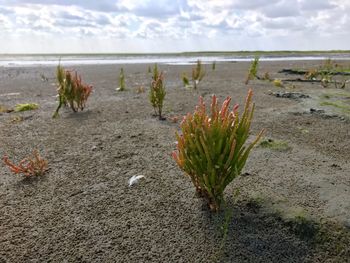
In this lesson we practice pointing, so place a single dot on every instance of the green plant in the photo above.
(253, 70)
(212, 150)
(30, 166)
(71, 91)
(213, 65)
(278, 83)
(275, 145)
(157, 92)
(185, 80)
(198, 74)
(121, 80)
(26, 107)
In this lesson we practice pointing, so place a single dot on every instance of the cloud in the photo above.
(175, 24)
(98, 5)
(315, 5)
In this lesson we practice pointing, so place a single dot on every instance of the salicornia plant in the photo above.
(253, 70)
(121, 80)
(198, 74)
(212, 149)
(71, 91)
(157, 91)
(31, 166)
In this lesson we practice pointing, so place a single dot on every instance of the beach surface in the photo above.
(83, 210)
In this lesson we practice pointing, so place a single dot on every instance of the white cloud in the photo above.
(172, 25)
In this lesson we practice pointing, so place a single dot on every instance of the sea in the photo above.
(28, 60)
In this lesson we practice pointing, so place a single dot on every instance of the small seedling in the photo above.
(121, 80)
(185, 81)
(71, 91)
(44, 78)
(211, 149)
(29, 167)
(197, 74)
(26, 107)
(253, 70)
(157, 92)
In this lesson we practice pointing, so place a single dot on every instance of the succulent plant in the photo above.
(197, 74)
(212, 149)
(30, 166)
(157, 92)
(253, 70)
(121, 80)
(71, 91)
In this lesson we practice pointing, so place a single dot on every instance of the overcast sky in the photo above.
(79, 26)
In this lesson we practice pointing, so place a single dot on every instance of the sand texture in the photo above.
(82, 209)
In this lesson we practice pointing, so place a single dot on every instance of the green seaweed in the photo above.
(275, 145)
(26, 107)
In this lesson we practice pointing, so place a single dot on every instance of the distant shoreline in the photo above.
(198, 53)
(188, 58)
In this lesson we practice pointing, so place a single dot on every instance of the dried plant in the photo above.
(311, 74)
(266, 76)
(71, 91)
(5, 109)
(29, 167)
(157, 92)
(140, 89)
(253, 70)
(121, 80)
(211, 149)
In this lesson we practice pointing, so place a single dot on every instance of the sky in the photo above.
(132, 26)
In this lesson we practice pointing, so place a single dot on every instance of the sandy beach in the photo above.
(82, 209)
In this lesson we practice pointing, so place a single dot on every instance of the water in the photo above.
(53, 60)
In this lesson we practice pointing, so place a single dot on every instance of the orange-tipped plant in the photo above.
(71, 91)
(30, 166)
(212, 149)
(157, 92)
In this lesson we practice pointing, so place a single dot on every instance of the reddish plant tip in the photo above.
(29, 167)
(212, 150)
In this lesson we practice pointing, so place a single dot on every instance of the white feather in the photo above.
(134, 179)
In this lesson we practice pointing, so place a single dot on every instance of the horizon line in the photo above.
(185, 52)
